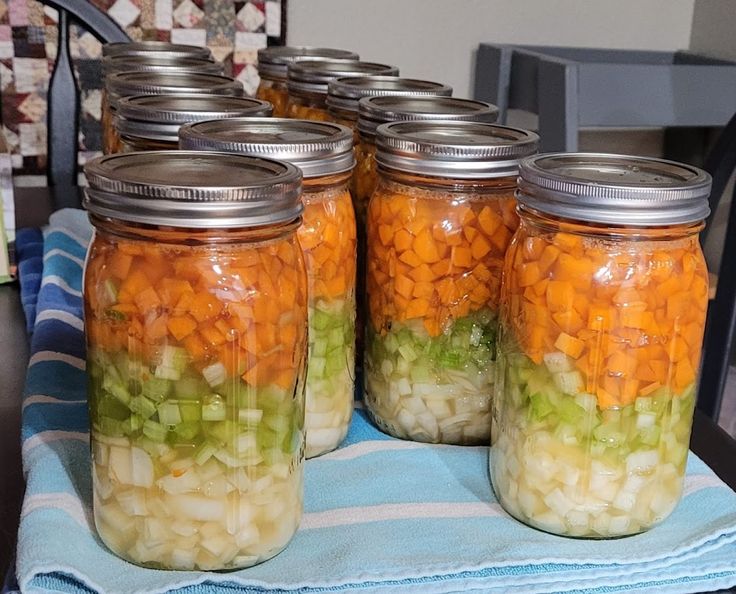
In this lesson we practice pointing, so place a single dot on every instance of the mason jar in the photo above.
(439, 224)
(324, 153)
(602, 312)
(127, 84)
(138, 48)
(159, 62)
(308, 79)
(195, 298)
(150, 122)
(272, 65)
(343, 94)
(374, 111)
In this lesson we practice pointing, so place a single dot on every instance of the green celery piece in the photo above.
(143, 406)
(204, 452)
(116, 388)
(570, 411)
(185, 433)
(222, 432)
(317, 347)
(154, 431)
(110, 427)
(156, 388)
(609, 434)
(213, 408)
(540, 406)
(169, 413)
(133, 424)
(319, 320)
(110, 406)
(189, 388)
(650, 435)
(191, 411)
(266, 438)
(111, 291)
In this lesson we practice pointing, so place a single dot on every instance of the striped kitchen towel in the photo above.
(381, 514)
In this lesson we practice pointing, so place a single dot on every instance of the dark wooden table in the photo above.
(709, 441)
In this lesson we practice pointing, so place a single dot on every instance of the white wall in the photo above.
(437, 39)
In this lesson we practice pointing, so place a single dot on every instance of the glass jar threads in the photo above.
(150, 122)
(602, 313)
(127, 84)
(140, 48)
(324, 153)
(272, 65)
(308, 79)
(196, 320)
(439, 224)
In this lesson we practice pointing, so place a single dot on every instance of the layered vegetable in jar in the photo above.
(272, 66)
(343, 94)
(602, 314)
(307, 82)
(324, 153)
(196, 319)
(439, 224)
(171, 82)
(151, 122)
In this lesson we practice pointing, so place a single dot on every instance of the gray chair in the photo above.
(63, 94)
(570, 88)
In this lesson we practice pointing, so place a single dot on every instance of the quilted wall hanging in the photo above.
(233, 29)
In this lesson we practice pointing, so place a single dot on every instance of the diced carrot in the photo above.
(461, 256)
(560, 295)
(426, 248)
(181, 326)
(569, 345)
(529, 274)
(147, 300)
(489, 221)
(411, 258)
(205, 306)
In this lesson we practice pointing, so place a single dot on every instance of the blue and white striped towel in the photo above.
(381, 515)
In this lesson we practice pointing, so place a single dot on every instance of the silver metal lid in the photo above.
(312, 76)
(192, 189)
(159, 117)
(273, 61)
(317, 148)
(159, 62)
(614, 189)
(126, 84)
(344, 93)
(374, 111)
(133, 48)
(457, 150)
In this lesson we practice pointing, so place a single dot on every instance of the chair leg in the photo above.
(720, 328)
(63, 119)
(492, 77)
(720, 163)
(558, 106)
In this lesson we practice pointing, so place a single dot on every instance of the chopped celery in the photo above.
(142, 406)
(213, 408)
(169, 413)
(154, 431)
(156, 388)
(215, 374)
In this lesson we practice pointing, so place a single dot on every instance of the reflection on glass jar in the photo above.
(439, 223)
(179, 82)
(272, 67)
(152, 122)
(602, 315)
(324, 153)
(308, 79)
(196, 336)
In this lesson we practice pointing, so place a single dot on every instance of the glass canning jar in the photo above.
(307, 84)
(602, 312)
(150, 122)
(324, 153)
(196, 320)
(139, 48)
(127, 84)
(159, 62)
(272, 65)
(439, 224)
(343, 94)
